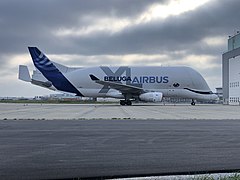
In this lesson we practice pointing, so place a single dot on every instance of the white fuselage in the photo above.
(171, 81)
(144, 83)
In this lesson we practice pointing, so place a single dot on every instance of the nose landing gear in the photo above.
(193, 103)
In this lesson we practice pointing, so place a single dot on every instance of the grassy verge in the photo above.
(235, 176)
(53, 102)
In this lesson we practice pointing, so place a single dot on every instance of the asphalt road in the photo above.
(50, 149)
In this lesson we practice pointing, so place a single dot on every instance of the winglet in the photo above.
(93, 78)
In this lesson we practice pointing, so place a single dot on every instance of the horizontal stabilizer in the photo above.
(23, 73)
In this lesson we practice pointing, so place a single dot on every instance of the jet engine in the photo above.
(151, 97)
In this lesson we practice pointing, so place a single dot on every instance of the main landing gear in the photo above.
(125, 102)
(193, 103)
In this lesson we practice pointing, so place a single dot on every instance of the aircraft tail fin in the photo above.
(41, 62)
(23, 73)
(53, 72)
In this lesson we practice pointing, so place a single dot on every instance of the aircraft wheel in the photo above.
(193, 103)
(122, 102)
(129, 103)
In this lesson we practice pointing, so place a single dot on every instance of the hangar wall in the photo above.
(231, 72)
(234, 80)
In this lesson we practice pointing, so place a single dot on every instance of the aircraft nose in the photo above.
(215, 97)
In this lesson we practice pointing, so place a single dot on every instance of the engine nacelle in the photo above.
(151, 97)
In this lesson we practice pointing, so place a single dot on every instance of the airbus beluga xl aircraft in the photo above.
(127, 83)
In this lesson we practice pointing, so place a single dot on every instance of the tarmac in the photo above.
(76, 141)
(115, 111)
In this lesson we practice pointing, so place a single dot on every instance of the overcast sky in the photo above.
(115, 32)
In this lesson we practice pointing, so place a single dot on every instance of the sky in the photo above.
(115, 32)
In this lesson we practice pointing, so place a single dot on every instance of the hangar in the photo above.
(231, 71)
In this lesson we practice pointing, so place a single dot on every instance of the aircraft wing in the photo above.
(124, 88)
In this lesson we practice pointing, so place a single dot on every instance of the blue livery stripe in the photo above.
(51, 72)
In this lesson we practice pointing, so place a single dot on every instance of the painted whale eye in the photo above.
(176, 85)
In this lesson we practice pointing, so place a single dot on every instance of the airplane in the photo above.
(127, 83)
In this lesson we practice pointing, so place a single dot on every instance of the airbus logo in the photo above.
(138, 80)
